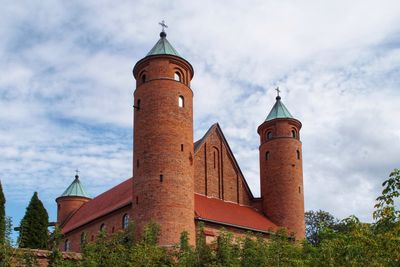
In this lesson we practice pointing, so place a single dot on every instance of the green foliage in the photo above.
(2, 216)
(33, 228)
(315, 222)
(56, 257)
(6, 249)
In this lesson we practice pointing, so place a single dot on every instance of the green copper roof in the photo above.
(75, 189)
(278, 111)
(163, 47)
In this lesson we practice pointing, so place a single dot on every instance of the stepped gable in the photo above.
(231, 214)
(113, 199)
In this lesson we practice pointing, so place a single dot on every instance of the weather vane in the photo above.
(163, 25)
(277, 90)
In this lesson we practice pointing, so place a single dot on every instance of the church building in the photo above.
(179, 183)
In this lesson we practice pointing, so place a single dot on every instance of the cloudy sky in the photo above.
(66, 89)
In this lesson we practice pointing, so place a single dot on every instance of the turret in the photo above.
(281, 171)
(71, 200)
(163, 183)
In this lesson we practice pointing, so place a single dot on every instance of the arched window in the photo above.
(269, 135)
(298, 154)
(294, 134)
(267, 155)
(125, 221)
(177, 77)
(143, 78)
(181, 101)
(102, 227)
(83, 238)
(67, 245)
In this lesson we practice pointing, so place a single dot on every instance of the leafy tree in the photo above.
(6, 249)
(2, 216)
(315, 222)
(203, 252)
(33, 228)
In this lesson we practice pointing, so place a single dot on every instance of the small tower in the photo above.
(281, 171)
(71, 200)
(163, 173)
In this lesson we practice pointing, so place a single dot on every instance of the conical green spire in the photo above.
(278, 111)
(163, 47)
(75, 189)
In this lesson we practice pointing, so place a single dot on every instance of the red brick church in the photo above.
(177, 182)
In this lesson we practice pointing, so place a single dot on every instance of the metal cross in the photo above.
(163, 25)
(277, 90)
(77, 172)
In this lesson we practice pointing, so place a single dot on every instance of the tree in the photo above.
(315, 222)
(2, 216)
(33, 228)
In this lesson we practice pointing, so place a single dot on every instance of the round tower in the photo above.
(163, 173)
(281, 171)
(71, 200)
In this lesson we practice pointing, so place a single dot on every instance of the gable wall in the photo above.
(215, 173)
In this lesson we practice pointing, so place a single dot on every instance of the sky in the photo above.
(66, 90)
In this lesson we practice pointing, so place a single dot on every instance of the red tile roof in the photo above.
(115, 198)
(229, 213)
(206, 208)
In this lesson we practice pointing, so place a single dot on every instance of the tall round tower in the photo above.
(281, 170)
(163, 173)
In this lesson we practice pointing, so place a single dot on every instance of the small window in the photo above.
(67, 245)
(83, 238)
(181, 101)
(177, 77)
(161, 177)
(267, 155)
(181, 147)
(294, 135)
(269, 135)
(102, 227)
(137, 200)
(125, 221)
(299, 190)
(298, 154)
(143, 78)
(137, 163)
(138, 104)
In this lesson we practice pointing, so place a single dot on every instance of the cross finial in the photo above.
(163, 25)
(77, 173)
(277, 90)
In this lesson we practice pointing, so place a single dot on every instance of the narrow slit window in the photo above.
(299, 190)
(138, 104)
(161, 178)
(177, 77)
(102, 227)
(181, 101)
(181, 147)
(137, 163)
(143, 78)
(294, 135)
(267, 155)
(125, 221)
(113, 230)
(83, 238)
(67, 245)
(298, 154)
(137, 200)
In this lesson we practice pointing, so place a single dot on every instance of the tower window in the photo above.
(299, 190)
(67, 245)
(269, 135)
(137, 163)
(177, 77)
(294, 135)
(181, 147)
(298, 154)
(138, 104)
(83, 238)
(125, 221)
(137, 200)
(161, 178)
(267, 155)
(143, 78)
(102, 227)
(181, 101)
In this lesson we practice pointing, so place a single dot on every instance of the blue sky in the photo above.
(66, 90)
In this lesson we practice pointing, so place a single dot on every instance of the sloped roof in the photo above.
(115, 198)
(75, 189)
(163, 47)
(231, 214)
(278, 111)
